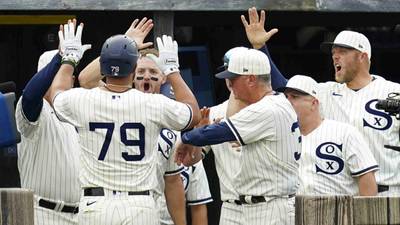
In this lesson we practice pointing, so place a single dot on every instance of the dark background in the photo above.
(294, 49)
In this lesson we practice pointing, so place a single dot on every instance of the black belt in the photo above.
(382, 188)
(99, 191)
(253, 199)
(52, 205)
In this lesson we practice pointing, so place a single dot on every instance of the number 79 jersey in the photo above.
(118, 133)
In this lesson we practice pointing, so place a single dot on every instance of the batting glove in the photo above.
(70, 44)
(168, 59)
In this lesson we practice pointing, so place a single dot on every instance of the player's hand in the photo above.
(71, 47)
(255, 28)
(205, 117)
(138, 31)
(168, 59)
(187, 155)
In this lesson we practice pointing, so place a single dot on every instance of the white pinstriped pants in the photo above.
(118, 210)
(276, 211)
(45, 216)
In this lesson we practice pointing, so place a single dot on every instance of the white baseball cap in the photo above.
(303, 84)
(349, 39)
(246, 61)
(45, 58)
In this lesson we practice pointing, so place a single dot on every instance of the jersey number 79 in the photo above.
(123, 133)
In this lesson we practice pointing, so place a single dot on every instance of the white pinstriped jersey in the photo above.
(377, 127)
(268, 131)
(197, 191)
(166, 165)
(227, 158)
(48, 156)
(332, 156)
(118, 134)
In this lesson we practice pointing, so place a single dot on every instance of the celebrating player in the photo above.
(49, 149)
(335, 159)
(118, 127)
(264, 129)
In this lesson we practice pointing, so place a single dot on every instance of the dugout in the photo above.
(204, 30)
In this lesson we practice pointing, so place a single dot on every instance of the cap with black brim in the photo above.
(283, 89)
(226, 75)
(326, 47)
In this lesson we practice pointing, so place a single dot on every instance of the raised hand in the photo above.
(71, 47)
(255, 31)
(138, 31)
(168, 59)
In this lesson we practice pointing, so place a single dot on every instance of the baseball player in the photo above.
(352, 100)
(267, 176)
(148, 79)
(48, 151)
(335, 159)
(118, 128)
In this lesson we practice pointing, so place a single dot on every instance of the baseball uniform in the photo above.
(227, 159)
(118, 134)
(268, 169)
(333, 155)
(197, 191)
(165, 167)
(377, 127)
(48, 153)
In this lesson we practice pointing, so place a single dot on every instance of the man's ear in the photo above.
(164, 79)
(252, 80)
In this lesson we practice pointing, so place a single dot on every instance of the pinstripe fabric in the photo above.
(152, 111)
(276, 211)
(332, 156)
(227, 158)
(48, 162)
(118, 210)
(267, 165)
(358, 109)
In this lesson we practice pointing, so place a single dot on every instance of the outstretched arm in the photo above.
(35, 90)
(90, 76)
(258, 37)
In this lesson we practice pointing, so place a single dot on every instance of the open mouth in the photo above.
(338, 67)
(146, 87)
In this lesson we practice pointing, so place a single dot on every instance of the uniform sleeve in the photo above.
(166, 147)
(358, 155)
(177, 115)
(25, 126)
(198, 191)
(64, 105)
(253, 123)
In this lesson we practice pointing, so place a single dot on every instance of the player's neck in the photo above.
(259, 93)
(118, 84)
(309, 123)
(361, 80)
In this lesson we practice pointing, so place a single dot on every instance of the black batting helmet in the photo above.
(119, 55)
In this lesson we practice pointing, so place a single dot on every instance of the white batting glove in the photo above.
(70, 44)
(168, 59)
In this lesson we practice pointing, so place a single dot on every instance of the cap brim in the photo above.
(226, 75)
(221, 68)
(327, 46)
(283, 89)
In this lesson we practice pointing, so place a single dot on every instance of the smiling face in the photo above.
(346, 62)
(148, 77)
